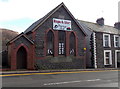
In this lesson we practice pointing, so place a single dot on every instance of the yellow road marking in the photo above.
(54, 73)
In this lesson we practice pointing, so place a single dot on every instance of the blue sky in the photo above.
(18, 15)
(17, 24)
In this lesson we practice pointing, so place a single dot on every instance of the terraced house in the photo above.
(103, 44)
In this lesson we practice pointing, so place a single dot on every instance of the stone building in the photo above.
(103, 44)
(59, 41)
(56, 41)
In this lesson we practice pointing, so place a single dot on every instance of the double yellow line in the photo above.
(7, 75)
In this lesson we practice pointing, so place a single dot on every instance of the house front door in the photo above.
(118, 59)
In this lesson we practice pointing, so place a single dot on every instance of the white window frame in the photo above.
(115, 41)
(61, 48)
(110, 59)
(109, 44)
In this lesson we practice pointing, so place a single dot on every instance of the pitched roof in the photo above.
(36, 24)
(33, 26)
(18, 36)
(39, 22)
(95, 27)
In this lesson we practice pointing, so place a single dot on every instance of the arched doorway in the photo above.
(21, 58)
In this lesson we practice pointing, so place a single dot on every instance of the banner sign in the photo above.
(60, 24)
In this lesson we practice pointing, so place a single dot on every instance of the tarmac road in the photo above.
(67, 79)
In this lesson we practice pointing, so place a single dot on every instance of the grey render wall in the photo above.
(88, 50)
(89, 61)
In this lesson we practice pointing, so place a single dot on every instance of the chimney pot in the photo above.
(100, 21)
(117, 25)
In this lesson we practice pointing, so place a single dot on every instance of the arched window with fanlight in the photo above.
(72, 44)
(61, 42)
(50, 43)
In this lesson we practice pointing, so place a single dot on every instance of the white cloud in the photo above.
(15, 9)
(88, 10)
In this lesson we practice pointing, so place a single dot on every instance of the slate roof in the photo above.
(29, 29)
(35, 25)
(18, 36)
(86, 29)
(97, 28)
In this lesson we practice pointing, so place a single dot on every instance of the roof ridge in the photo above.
(40, 22)
(95, 27)
(48, 14)
(18, 36)
(41, 19)
(94, 23)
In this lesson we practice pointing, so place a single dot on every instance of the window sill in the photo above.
(117, 47)
(107, 47)
(107, 64)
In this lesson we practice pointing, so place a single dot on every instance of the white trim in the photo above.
(109, 44)
(116, 57)
(110, 57)
(115, 41)
(94, 44)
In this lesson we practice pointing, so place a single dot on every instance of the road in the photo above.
(77, 79)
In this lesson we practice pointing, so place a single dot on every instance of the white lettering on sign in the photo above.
(60, 24)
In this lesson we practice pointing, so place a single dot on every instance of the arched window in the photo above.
(50, 43)
(61, 42)
(72, 44)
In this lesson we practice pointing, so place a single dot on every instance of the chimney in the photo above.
(100, 21)
(117, 25)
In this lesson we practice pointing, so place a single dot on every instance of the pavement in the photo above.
(60, 71)
(52, 70)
